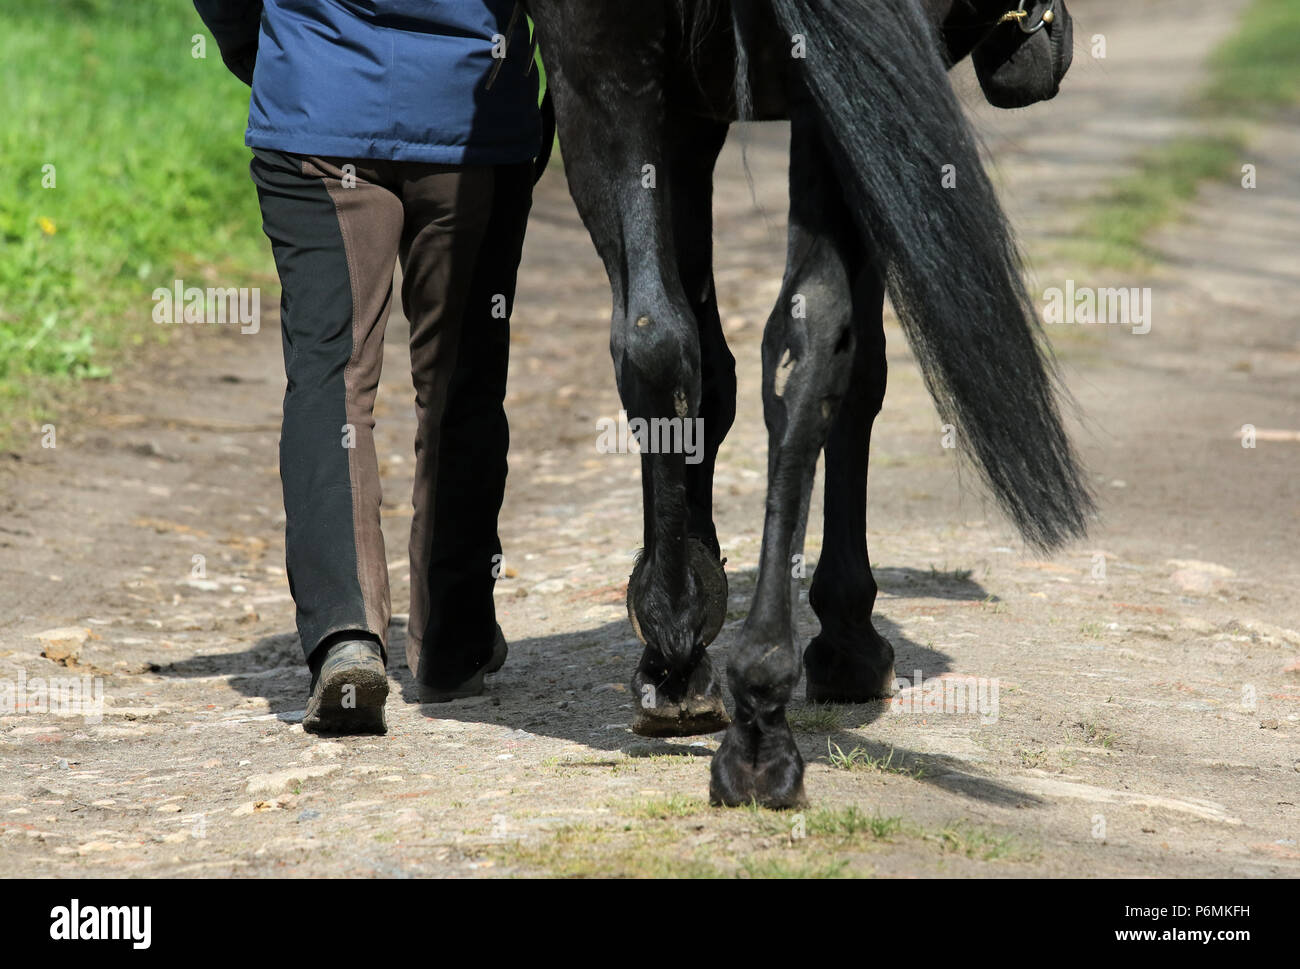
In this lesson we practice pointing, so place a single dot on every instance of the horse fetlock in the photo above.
(677, 627)
(763, 673)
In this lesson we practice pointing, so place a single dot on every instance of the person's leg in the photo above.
(460, 257)
(334, 236)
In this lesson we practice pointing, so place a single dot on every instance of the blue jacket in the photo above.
(401, 80)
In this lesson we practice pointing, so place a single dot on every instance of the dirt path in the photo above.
(1148, 706)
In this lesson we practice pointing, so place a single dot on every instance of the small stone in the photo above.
(1270, 634)
(309, 814)
(91, 847)
(277, 781)
(323, 750)
(1270, 724)
(1195, 576)
(63, 645)
(170, 808)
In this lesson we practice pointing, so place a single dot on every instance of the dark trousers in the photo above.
(337, 228)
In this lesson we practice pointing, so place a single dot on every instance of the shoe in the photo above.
(473, 686)
(348, 690)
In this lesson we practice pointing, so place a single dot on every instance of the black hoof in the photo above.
(758, 765)
(694, 716)
(712, 581)
(849, 673)
(669, 706)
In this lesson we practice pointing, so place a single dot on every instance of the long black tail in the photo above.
(953, 269)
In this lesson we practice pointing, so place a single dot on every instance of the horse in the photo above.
(888, 194)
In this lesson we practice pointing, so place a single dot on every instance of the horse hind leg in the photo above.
(848, 661)
(807, 358)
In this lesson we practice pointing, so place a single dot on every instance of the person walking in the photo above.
(396, 130)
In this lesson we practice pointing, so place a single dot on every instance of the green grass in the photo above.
(1167, 177)
(671, 806)
(851, 822)
(859, 758)
(150, 184)
(981, 844)
(682, 837)
(1257, 69)
(815, 718)
(1254, 72)
(1097, 735)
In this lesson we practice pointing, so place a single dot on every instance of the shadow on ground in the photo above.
(572, 687)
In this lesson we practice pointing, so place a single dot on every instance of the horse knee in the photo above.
(658, 362)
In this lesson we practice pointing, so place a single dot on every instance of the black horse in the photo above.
(644, 92)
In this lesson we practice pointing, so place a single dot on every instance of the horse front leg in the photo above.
(807, 358)
(606, 70)
(695, 145)
(689, 700)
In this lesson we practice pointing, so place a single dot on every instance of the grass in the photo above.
(859, 758)
(594, 851)
(850, 822)
(148, 183)
(672, 806)
(1167, 177)
(682, 837)
(983, 845)
(1096, 735)
(815, 718)
(1253, 73)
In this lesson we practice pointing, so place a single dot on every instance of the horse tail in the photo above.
(951, 264)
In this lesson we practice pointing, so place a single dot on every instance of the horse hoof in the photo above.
(680, 703)
(855, 674)
(865, 691)
(712, 580)
(694, 715)
(752, 769)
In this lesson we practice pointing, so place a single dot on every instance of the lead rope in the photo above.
(510, 32)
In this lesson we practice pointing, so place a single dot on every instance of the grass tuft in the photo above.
(1254, 72)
